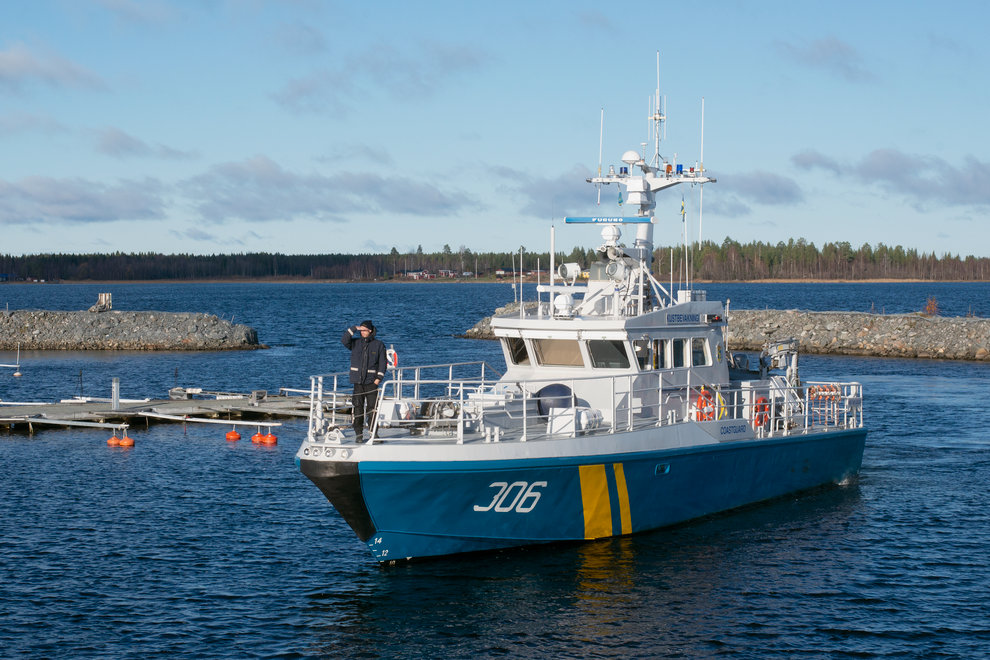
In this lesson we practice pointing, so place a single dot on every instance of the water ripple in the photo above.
(188, 546)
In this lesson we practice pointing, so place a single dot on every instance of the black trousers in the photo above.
(365, 399)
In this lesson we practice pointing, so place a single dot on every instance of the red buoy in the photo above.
(113, 441)
(269, 439)
(233, 436)
(126, 442)
(257, 438)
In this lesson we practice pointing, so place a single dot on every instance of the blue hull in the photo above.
(416, 509)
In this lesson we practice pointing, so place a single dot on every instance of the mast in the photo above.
(601, 139)
(641, 187)
(657, 118)
(701, 193)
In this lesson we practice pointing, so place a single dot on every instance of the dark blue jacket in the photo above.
(368, 360)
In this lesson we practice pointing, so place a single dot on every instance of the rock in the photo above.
(894, 335)
(41, 330)
(483, 328)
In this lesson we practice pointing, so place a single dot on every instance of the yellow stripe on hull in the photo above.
(597, 506)
(620, 486)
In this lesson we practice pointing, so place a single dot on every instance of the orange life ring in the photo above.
(705, 406)
(761, 412)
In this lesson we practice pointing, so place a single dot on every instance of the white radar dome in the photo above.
(630, 157)
(611, 234)
(563, 304)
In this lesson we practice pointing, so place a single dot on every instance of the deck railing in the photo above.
(470, 399)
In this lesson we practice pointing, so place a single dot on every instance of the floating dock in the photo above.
(184, 405)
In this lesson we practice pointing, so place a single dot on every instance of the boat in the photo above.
(619, 410)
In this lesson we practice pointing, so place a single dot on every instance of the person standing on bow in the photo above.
(368, 365)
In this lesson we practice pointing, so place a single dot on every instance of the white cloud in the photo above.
(259, 189)
(565, 194)
(810, 159)
(300, 38)
(45, 199)
(115, 142)
(20, 67)
(761, 188)
(728, 206)
(194, 234)
(921, 179)
(381, 71)
(13, 124)
(344, 154)
(832, 55)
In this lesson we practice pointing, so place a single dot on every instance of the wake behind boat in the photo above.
(619, 411)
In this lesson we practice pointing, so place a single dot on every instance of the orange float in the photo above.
(113, 441)
(269, 439)
(257, 438)
(761, 412)
(705, 406)
(126, 442)
(233, 436)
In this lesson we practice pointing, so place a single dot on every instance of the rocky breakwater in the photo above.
(483, 328)
(40, 330)
(856, 333)
(841, 333)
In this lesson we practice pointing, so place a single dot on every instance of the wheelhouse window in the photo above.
(660, 359)
(699, 352)
(558, 352)
(641, 349)
(517, 350)
(678, 347)
(608, 354)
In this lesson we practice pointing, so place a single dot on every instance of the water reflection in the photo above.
(661, 592)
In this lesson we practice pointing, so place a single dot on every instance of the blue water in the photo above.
(189, 546)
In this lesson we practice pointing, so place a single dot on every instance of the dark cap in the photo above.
(369, 325)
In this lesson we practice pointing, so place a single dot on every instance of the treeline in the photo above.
(119, 266)
(799, 259)
(725, 262)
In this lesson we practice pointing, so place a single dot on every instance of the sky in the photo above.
(309, 126)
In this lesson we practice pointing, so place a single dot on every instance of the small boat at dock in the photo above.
(619, 410)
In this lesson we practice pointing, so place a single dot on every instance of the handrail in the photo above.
(629, 402)
(481, 363)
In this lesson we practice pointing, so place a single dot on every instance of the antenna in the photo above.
(684, 236)
(701, 193)
(522, 305)
(651, 130)
(657, 118)
(601, 139)
(513, 257)
(657, 127)
(702, 134)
